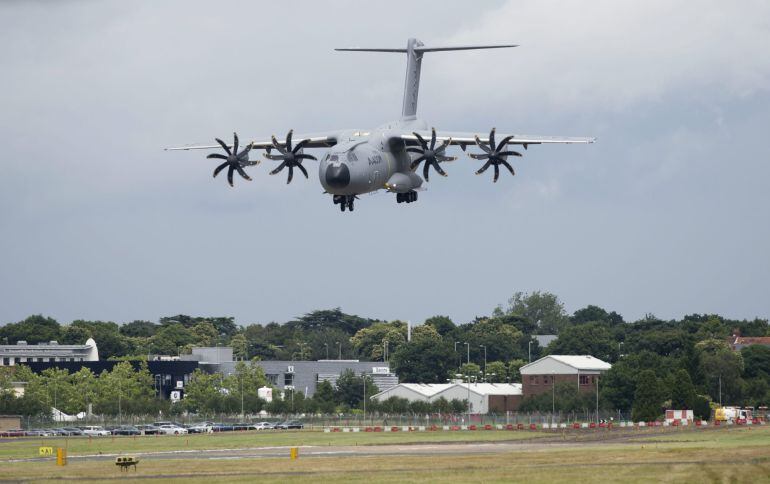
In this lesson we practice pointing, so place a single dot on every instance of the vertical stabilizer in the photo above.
(412, 81)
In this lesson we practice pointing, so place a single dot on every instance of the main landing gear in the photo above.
(407, 197)
(344, 201)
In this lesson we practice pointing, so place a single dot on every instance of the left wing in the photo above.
(466, 138)
(315, 140)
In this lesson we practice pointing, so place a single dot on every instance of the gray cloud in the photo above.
(667, 213)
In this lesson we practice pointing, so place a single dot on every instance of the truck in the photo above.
(732, 414)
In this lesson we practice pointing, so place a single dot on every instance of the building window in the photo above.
(39, 360)
(5, 362)
(273, 379)
(288, 379)
(533, 380)
(546, 381)
(584, 379)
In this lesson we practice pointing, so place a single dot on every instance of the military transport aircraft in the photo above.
(385, 158)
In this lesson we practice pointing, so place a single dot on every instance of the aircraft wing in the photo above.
(464, 139)
(315, 140)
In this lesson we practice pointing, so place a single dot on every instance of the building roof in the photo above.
(425, 389)
(553, 364)
(493, 388)
(741, 341)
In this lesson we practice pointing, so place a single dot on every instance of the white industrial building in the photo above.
(483, 397)
(22, 352)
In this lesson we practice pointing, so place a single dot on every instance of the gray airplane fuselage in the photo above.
(366, 161)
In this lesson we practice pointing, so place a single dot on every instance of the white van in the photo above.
(96, 430)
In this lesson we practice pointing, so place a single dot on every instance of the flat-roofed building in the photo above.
(483, 397)
(22, 352)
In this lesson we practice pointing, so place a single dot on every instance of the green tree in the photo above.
(423, 360)
(139, 329)
(240, 346)
(170, 339)
(496, 372)
(514, 367)
(470, 371)
(442, 324)
(324, 397)
(586, 339)
(543, 310)
(682, 391)
(107, 336)
(203, 393)
(35, 329)
(648, 399)
(350, 388)
(368, 342)
(721, 368)
(204, 334)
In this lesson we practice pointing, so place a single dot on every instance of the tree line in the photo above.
(685, 363)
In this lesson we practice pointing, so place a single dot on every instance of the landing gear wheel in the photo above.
(344, 201)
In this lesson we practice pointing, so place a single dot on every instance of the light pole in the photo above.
(340, 350)
(363, 378)
(458, 356)
(529, 351)
(468, 347)
(385, 348)
(553, 396)
(326, 345)
(485, 361)
(597, 398)
(242, 397)
(620, 344)
(720, 390)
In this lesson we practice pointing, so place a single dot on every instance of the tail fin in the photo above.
(414, 51)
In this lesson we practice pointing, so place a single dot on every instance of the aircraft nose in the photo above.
(338, 176)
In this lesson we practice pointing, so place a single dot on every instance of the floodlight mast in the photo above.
(414, 51)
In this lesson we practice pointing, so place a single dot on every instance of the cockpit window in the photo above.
(334, 158)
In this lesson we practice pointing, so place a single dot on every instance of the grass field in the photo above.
(735, 455)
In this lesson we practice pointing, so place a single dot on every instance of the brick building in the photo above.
(581, 370)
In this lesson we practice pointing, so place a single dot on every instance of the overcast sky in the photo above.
(668, 213)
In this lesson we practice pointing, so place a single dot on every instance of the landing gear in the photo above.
(344, 201)
(407, 197)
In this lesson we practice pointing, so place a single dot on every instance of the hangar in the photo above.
(483, 397)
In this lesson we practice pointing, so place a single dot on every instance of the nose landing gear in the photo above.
(407, 197)
(344, 201)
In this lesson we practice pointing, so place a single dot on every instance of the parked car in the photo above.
(148, 429)
(290, 424)
(264, 426)
(12, 433)
(39, 433)
(126, 430)
(72, 431)
(221, 427)
(244, 426)
(171, 429)
(201, 428)
(95, 430)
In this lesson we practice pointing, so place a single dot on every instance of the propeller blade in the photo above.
(288, 140)
(425, 170)
(439, 169)
(220, 168)
(432, 138)
(277, 146)
(504, 142)
(476, 156)
(443, 146)
(230, 175)
(246, 150)
(508, 153)
(300, 145)
(242, 173)
(412, 149)
(446, 158)
(235, 143)
(510, 168)
(484, 168)
(274, 157)
(417, 162)
(497, 173)
(279, 168)
(421, 140)
(291, 174)
(303, 156)
(224, 145)
(303, 170)
(217, 156)
(492, 138)
(481, 145)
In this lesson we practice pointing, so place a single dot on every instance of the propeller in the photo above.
(494, 155)
(234, 161)
(432, 155)
(289, 157)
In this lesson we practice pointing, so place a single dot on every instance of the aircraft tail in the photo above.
(414, 52)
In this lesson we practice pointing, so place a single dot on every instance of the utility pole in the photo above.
(326, 345)
(363, 377)
(242, 397)
(485, 361)
(340, 350)
(529, 351)
(553, 396)
(597, 398)
(468, 347)
(458, 356)
(720, 389)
